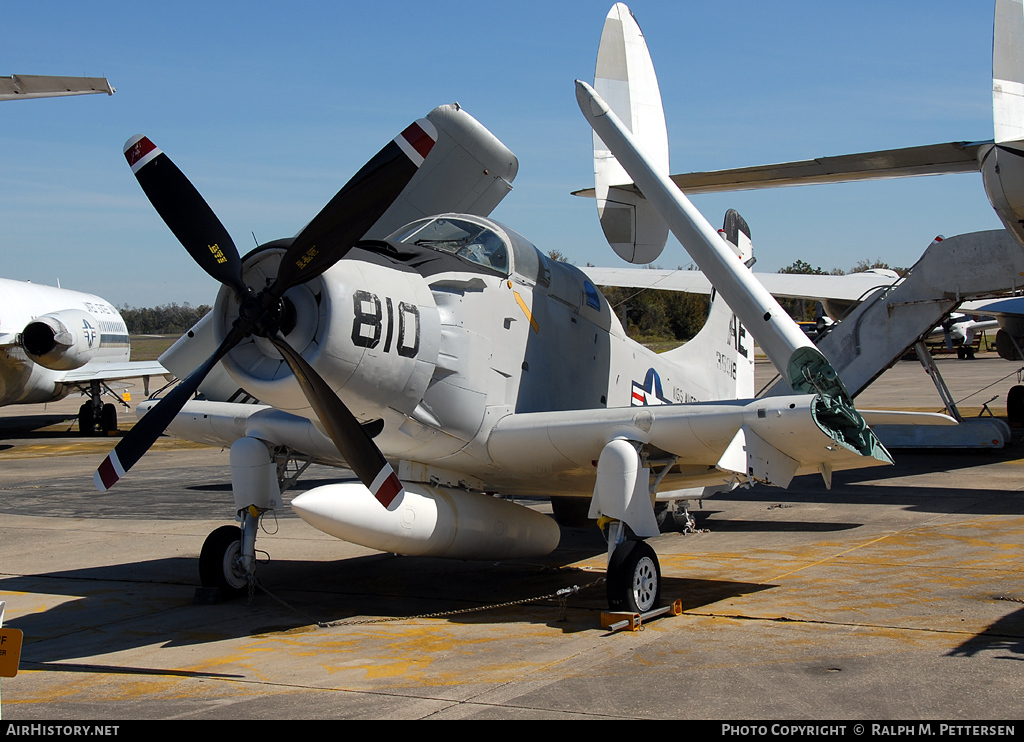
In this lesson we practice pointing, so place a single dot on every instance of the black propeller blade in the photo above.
(322, 243)
(144, 433)
(352, 440)
(185, 211)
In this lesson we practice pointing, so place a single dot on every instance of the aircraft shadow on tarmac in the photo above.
(1006, 635)
(126, 606)
(35, 426)
(925, 499)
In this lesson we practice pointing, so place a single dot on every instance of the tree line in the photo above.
(166, 319)
(648, 315)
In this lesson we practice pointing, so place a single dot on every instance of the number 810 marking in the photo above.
(368, 324)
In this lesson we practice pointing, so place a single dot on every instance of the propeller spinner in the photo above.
(322, 243)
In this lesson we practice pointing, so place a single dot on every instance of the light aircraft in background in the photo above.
(444, 358)
(630, 226)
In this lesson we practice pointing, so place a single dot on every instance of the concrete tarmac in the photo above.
(899, 594)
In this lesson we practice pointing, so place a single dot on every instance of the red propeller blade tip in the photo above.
(386, 486)
(139, 151)
(108, 473)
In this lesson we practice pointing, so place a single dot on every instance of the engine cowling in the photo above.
(372, 332)
(63, 340)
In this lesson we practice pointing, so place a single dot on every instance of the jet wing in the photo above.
(931, 159)
(42, 86)
(853, 287)
(106, 371)
(1011, 306)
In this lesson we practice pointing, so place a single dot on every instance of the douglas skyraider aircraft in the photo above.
(447, 359)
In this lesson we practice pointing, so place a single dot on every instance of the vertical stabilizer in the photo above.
(1008, 71)
(625, 78)
(720, 358)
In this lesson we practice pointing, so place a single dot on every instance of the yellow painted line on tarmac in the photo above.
(834, 556)
(88, 447)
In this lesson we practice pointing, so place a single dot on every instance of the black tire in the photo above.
(216, 562)
(109, 418)
(634, 578)
(1015, 406)
(86, 420)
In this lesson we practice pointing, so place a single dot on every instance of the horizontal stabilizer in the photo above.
(850, 288)
(932, 159)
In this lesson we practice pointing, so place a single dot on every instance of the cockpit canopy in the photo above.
(476, 240)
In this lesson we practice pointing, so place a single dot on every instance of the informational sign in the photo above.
(10, 651)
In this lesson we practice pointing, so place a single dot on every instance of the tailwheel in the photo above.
(219, 562)
(634, 578)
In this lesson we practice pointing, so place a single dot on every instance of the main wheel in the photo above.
(86, 419)
(218, 562)
(634, 578)
(108, 418)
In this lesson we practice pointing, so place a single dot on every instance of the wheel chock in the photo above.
(618, 620)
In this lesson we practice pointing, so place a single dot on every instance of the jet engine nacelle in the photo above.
(1002, 170)
(63, 340)
(429, 521)
(372, 331)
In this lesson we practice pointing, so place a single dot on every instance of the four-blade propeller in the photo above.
(322, 243)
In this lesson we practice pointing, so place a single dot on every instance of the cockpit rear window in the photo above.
(473, 242)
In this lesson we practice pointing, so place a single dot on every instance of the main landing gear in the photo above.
(225, 563)
(95, 417)
(623, 503)
(633, 580)
(220, 564)
(259, 473)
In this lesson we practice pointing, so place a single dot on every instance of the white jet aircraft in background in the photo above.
(54, 341)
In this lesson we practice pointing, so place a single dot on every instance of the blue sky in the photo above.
(270, 108)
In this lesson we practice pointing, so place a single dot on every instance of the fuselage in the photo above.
(451, 326)
(92, 328)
